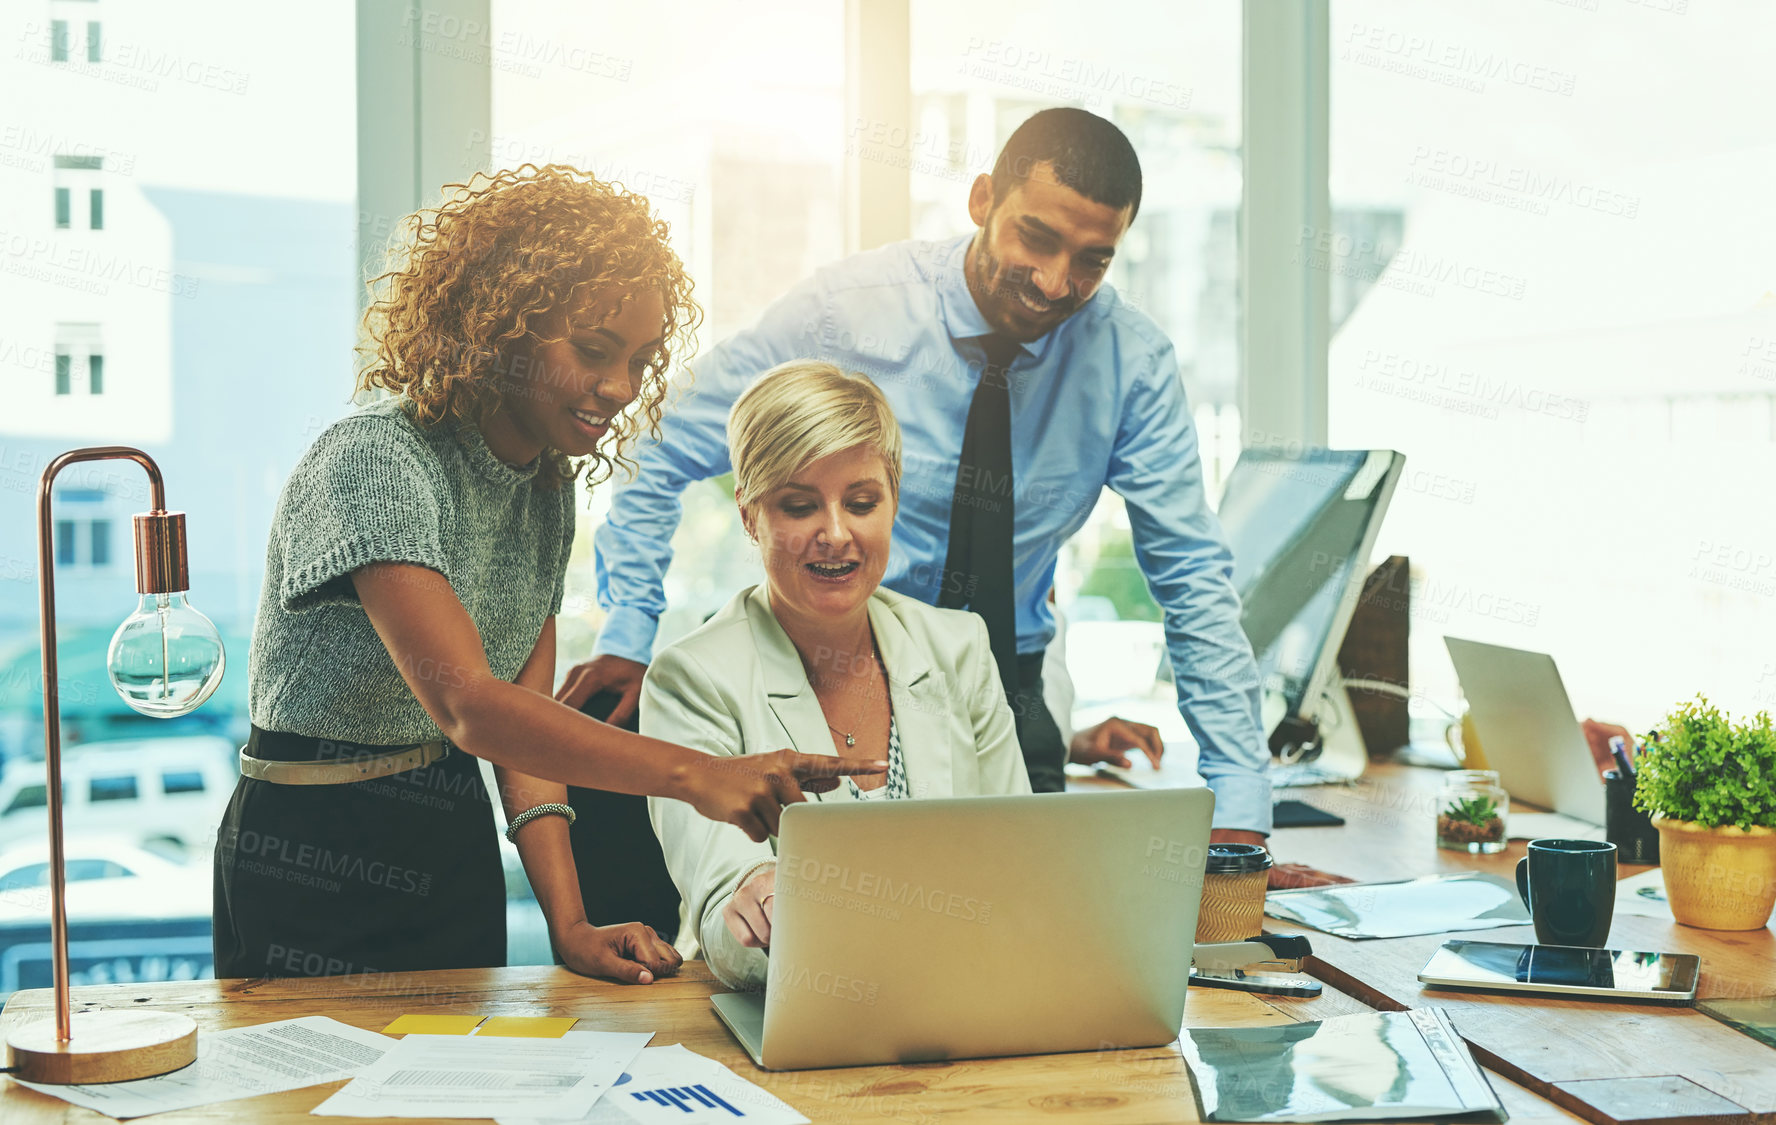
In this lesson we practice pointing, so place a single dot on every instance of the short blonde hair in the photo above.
(799, 412)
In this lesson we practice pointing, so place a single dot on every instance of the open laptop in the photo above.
(911, 931)
(1527, 728)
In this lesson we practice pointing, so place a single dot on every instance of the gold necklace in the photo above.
(850, 738)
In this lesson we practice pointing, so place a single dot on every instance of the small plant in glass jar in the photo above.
(1471, 813)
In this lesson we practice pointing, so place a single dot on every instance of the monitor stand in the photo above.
(1342, 756)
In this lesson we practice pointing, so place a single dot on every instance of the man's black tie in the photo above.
(978, 569)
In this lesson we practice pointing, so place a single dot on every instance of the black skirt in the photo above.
(394, 874)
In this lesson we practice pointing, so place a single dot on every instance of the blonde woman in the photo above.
(818, 657)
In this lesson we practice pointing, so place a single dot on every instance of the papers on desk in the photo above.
(488, 1076)
(241, 1062)
(672, 1084)
(1370, 1067)
(1644, 895)
(1433, 904)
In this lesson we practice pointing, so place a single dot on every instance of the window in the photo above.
(28, 797)
(79, 345)
(748, 176)
(87, 869)
(118, 788)
(181, 781)
(79, 174)
(65, 533)
(92, 43)
(58, 40)
(1565, 327)
(26, 877)
(101, 542)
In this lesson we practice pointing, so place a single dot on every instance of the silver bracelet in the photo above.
(531, 814)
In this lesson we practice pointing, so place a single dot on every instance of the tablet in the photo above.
(1568, 970)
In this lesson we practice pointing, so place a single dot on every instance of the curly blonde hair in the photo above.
(508, 262)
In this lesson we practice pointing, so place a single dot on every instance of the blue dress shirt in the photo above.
(1097, 401)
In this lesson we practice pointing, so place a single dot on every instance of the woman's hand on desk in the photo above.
(750, 790)
(748, 912)
(632, 952)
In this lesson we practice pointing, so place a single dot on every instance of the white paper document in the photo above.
(1644, 894)
(488, 1076)
(673, 1084)
(241, 1062)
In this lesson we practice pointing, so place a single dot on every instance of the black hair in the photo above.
(1090, 155)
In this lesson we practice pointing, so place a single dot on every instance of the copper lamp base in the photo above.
(108, 1046)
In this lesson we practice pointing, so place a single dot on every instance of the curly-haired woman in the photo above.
(407, 623)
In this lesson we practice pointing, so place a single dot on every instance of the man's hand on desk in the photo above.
(1288, 876)
(632, 952)
(604, 673)
(1107, 741)
(1283, 876)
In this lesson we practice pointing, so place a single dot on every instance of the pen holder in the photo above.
(1625, 826)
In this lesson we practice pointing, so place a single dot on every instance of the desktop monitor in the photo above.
(1301, 524)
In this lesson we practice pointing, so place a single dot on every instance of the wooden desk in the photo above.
(1388, 835)
(1578, 1053)
(1108, 1086)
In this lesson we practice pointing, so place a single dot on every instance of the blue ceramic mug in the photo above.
(1569, 889)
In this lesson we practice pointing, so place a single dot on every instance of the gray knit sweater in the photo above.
(374, 487)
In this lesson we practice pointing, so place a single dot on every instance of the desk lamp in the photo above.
(164, 660)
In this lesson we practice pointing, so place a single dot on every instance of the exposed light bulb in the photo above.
(166, 658)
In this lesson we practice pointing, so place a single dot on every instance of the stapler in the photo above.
(1268, 963)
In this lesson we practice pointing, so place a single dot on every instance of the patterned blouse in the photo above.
(897, 788)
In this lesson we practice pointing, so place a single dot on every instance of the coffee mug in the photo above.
(1569, 888)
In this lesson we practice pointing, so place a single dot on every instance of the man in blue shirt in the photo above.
(1023, 386)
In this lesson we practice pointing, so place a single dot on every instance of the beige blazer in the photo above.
(737, 686)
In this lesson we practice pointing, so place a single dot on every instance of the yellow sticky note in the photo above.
(528, 1027)
(432, 1025)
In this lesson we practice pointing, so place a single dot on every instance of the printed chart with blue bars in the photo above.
(690, 1099)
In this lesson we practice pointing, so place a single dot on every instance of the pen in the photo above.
(1619, 751)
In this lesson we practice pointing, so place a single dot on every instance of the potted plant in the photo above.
(1710, 785)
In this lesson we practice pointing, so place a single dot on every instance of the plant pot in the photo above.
(1718, 878)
